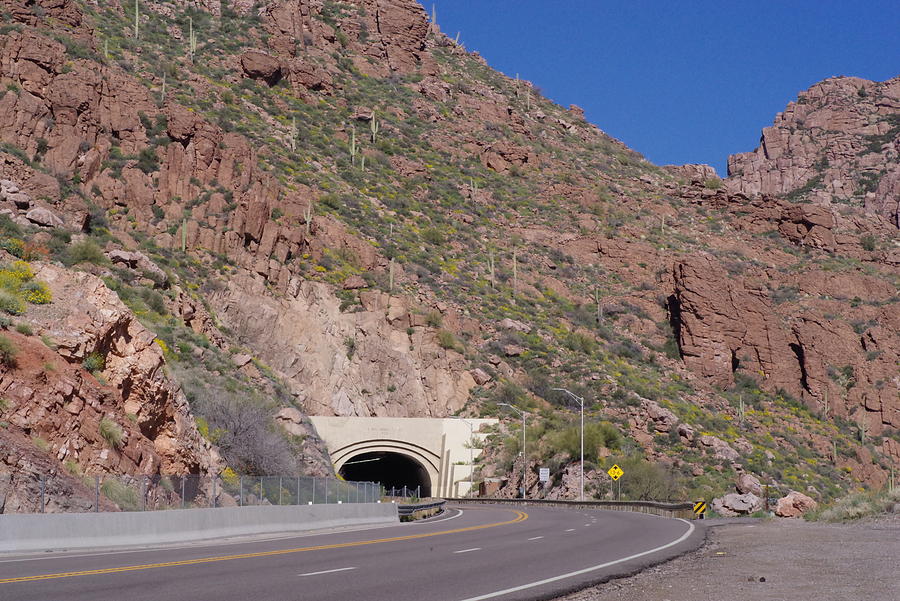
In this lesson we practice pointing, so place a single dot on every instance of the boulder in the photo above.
(663, 419)
(481, 377)
(516, 326)
(733, 504)
(794, 504)
(259, 65)
(43, 217)
(749, 483)
(719, 447)
(354, 282)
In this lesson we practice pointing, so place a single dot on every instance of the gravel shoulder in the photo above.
(769, 560)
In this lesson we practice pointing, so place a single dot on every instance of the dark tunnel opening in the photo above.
(392, 470)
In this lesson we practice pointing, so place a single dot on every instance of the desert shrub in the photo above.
(446, 339)
(11, 302)
(36, 293)
(24, 329)
(8, 352)
(856, 506)
(13, 246)
(85, 251)
(433, 319)
(869, 242)
(596, 435)
(112, 433)
(94, 362)
(121, 494)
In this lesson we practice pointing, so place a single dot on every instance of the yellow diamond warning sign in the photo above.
(615, 472)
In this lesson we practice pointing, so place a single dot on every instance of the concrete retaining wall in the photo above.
(22, 533)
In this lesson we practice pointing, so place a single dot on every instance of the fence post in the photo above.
(298, 491)
(279, 488)
(182, 491)
(143, 495)
(326, 490)
(314, 491)
(241, 493)
(97, 493)
(262, 491)
(213, 491)
(43, 486)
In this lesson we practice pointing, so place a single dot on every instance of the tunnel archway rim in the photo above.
(427, 459)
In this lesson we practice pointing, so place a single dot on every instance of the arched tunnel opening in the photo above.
(392, 470)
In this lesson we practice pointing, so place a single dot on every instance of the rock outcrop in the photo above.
(87, 318)
(839, 142)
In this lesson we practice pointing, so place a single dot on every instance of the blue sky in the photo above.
(681, 81)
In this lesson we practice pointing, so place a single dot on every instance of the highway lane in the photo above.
(483, 552)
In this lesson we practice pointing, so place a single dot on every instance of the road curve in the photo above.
(468, 554)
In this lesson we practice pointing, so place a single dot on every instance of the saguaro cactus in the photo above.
(353, 147)
(374, 127)
(137, 22)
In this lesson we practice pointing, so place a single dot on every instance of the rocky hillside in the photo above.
(334, 206)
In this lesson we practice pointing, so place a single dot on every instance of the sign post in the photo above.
(615, 472)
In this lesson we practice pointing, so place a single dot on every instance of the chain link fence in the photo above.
(46, 494)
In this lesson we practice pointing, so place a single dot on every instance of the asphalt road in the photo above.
(467, 554)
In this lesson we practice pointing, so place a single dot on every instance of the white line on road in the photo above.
(468, 550)
(586, 525)
(571, 530)
(535, 537)
(326, 572)
(523, 587)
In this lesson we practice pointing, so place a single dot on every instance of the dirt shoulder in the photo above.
(769, 560)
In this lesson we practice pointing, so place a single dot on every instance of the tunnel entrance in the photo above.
(393, 470)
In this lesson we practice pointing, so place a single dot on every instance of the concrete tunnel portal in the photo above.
(392, 470)
(436, 454)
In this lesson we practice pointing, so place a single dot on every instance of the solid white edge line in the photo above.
(425, 523)
(326, 571)
(523, 587)
(468, 550)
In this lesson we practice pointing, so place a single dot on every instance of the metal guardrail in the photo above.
(669, 510)
(412, 511)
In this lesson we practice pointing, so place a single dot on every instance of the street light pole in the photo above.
(580, 404)
(524, 457)
(471, 449)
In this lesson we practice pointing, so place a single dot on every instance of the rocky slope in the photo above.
(361, 218)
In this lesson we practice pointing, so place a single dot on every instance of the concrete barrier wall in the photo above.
(22, 533)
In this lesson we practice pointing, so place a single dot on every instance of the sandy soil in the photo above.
(772, 560)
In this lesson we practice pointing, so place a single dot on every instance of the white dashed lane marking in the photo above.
(326, 571)
(468, 550)
(535, 537)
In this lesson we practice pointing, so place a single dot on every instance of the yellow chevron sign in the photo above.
(700, 507)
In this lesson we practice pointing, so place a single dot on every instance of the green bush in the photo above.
(112, 432)
(11, 302)
(446, 339)
(8, 352)
(85, 251)
(869, 242)
(36, 293)
(121, 494)
(94, 362)
(24, 329)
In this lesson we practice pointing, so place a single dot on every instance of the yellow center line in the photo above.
(520, 517)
